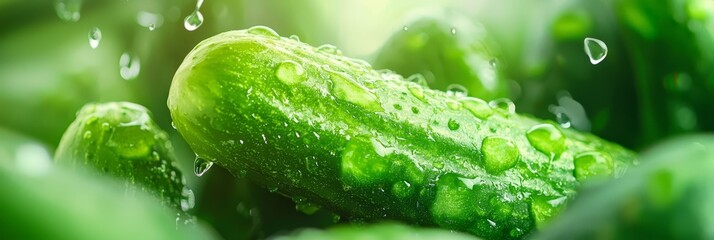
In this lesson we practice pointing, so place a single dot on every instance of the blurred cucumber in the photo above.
(669, 196)
(446, 50)
(121, 139)
(395, 231)
(50, 202)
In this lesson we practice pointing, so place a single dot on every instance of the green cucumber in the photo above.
(375, 231)
(369, 145)
(446, 50)
(121, 139)
(669, 196)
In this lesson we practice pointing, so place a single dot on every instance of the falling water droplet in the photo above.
(95, 35)
(149, 20)
(129, 66)
(405, 28)
(193, 21)
(290, 72)
(189, 200)
(595, 49)
(68, 10)
(201, 166)
(453, 31)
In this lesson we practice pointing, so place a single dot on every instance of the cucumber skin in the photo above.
(120, 139)
(228, 104)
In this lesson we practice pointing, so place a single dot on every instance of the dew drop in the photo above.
(415, 110)
(188, 200)
(295, 37)
(94, 36)
(503, 103)
(595, 49)
(479, 108)
(129, 67)
(263, 31)
(346, 88)
(193, 21)
(173, 125)
(499, 154)
(290, 72)
(87, 135)
(547, 139)
(201, 166)
(592, 164)
(453, 124)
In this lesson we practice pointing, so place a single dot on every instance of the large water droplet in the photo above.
(188, 200)
(290, 72)
(592, 164)
(453, 124)
(346, 88)
(68, 10)
(94, 36)
(193, 21)
(129, 67)
(595, 49)
(503, 103)
(201, 166)
(547, 139)
(479, 108)
(263, 31)
(499, 154)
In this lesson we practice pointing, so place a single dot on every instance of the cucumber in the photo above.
(120, 139)
(62, 204)
(669, 196)
(446, 50)
(387, 230)
(369, 145)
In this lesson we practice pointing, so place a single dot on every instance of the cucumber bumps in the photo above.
(369, 145)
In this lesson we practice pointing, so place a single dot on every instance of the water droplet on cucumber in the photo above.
(418, 79)
(346, 88)
(290, 72)
(453, 124)
(201, 166)
(547, 139)
(499, 154)
(479, 108)
(263, 31)
(416, 90)
(592, 164)
(503, 103)
(329, 48)
(456, 90)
